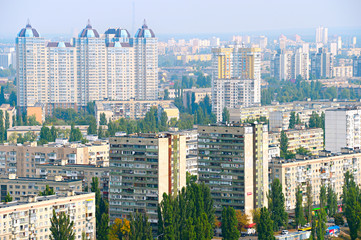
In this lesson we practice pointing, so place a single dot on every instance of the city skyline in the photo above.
(178, 18)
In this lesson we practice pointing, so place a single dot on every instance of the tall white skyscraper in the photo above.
(62, 73)
(91, 61)
(322, 35)
(93, 67)
(146, 63)
(31, 68)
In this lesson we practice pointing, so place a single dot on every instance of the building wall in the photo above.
(30, 219)
(323, 170)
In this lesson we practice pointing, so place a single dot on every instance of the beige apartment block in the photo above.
(327, 169)
(18, 187)
(198, 93)
(82, 172)
(310, 139)
(233, 162)
(21, 159)
(143, 168)
(29, 218)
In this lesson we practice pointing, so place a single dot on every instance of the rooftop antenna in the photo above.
(133, 20)
(89, 25)
(28, 23)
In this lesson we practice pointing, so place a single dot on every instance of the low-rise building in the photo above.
(36, 129)
(130, 109)
(310, 139)
(196, 94)
(325, 169)
(11, 111)
(82, 172)
(22, 158)
(18, 187)
(342, 71)
(29, 218)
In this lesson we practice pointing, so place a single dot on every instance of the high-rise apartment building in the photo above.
(31, 68)
(357, 66)
(146, 64)
(321, 64)
(233, 162)
(322, 35)
(62, 73)
(287, 65)
(239, 69)
(143, 168)
(342, 129)
(29, 218)
(91, 67)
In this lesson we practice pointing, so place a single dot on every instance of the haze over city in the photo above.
(184, 17)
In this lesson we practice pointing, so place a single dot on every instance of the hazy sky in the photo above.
(177, 16)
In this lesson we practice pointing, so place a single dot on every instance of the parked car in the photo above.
(284, 232)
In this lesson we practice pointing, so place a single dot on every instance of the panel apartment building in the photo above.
(22, 159)
(233, 162)
(143, 168)
(328, 169)
(90, 67)
(236, 78)
(29, 218)
(18, 187)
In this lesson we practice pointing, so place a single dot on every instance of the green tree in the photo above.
(265, 226)
(331, 201)
(140, 228)
(299, 216)
(101, 210)
(2, 129)
(303, 151)
(321, 224)
(225, 115)
(103, 119)
(276, 204)
(100, 132)
(166, 94)
(45, 135)
(48, 191)
(339, 221)
(90, 107)
(92, 129)
(292, 121)
(8, 198)
(229, 224)
(283, 144)
(61, 227)
(351, 204)
(75, 134)
(323, 197)
(7, 123)
(309, 204)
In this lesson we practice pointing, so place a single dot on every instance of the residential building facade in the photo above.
(143, 168)
(29, 218)
(233, 162)
(325, 170)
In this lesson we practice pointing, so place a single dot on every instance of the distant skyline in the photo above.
(192, 17)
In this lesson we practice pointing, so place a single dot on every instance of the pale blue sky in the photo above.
(178, 16)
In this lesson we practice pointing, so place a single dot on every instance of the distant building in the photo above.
(342, 129)
(357, 66)
(310, 139)
(29, 218)
(321, 64)
(342, 72)
(22, 159)
(322, 35)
